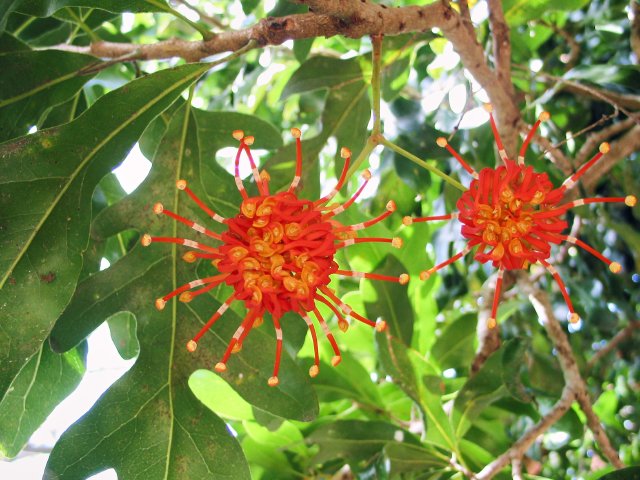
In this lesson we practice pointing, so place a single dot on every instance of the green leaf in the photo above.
(631, 473)
(455, 347)
(122, 326)
(405, 457)
(517, 12)
(47, 181)
(389, 301)
(356, 440)
(9, 43)
(322, 72)
(421, 381)
(43, 383)
(33, 82)
(218, 395)
(46, 8)
(513, 359)
(481, 390)
(148, 423)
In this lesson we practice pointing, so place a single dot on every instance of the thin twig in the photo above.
(600, 136)
(203, 16)
(621, 336)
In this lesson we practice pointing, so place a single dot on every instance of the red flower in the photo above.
(278, 254)
(513, 215)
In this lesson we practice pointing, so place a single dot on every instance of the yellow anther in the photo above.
(574, 317)
(158, 208)
(191, 346)
(629, 201)
(391, 206)
(236, 348)
(313, 371)
(381, 325)
(189, 257)
(160, 303)
(343, 325)
(407, 221)
(296, 133)
(238, 134)
(424, 275)
(292, 230)
(544, 116)
(345, 152)
(336, 360)
(248, 208)
(273, 381)
(238, 253)
(604, 147)
(290, 283)
(442, 142)
(488, 107)
(403, 279)
(220, 367)
(396, 242)
(491, 323)
(181, 184)
(366, 174)
(185, 297)
(146, 240)
(249, 140)
(615, 267)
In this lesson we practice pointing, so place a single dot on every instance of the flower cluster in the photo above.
(278, 254)
(513, 215)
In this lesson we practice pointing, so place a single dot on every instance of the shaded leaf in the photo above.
(41, 385)
(405, 457)
(35, 81)
(47, 180)
(631, 473)
(517, 12)
(455, 347)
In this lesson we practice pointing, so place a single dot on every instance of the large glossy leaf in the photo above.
(517, 12)
(47, 181)
(45, 8)
(34, 82)
(631, 473)
(150, 411)
(404, 457)
(43, 383)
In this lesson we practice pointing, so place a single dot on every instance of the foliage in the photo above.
(402, 402)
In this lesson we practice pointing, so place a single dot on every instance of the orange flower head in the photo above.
(512, 215)
(278, 255)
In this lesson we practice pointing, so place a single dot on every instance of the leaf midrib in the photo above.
(84, 162)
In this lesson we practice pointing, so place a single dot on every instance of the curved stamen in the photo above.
(573, 317)
(410, 220)
(402, 279)
(425, 274)
(246, 324)
(159, 209)
(315, 369)
(571, 181)
(501, 151)
(182, 185)
(615, 267)
(544, 116)
(346, 154)
(296, 179)
(366, 174)
(491, 323)
(214, 280)
(193, 343)
(380, 325)
(343, 324)
(396, 242)
(391, 207)
(442, 142)
(148, 240)
(336, 357)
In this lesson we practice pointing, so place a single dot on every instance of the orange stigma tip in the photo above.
(574, 317)
(160, 303)
(488, 107)
(544, 116)
(391, 206)
(343, 326)
(629, 201)
(615, 267)
(236, 348)
(396, 242)
(264, 175)
(604, 147)
(403, 279)
(336, 360)
(424, 275)
(158, 208)
(366, 174)
(296, 133)
(237, 134)
(249, 140)
(491, 323)
(313, 371)
(185, 297)
(189, 257)
(220, 367)
(407, 221)
(345, 152)
(381, 326)
(442, 142)
(191, 346)
(273, 381)
(146, 240)
(181, 184)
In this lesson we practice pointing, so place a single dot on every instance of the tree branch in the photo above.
(501, 45)
(622, 335)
